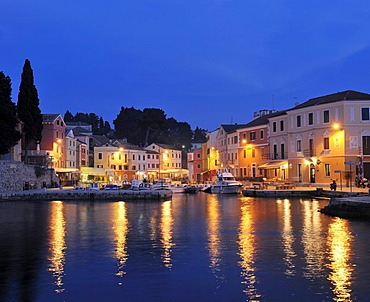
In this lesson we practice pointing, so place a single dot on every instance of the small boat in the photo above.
(191, 190)
(166, 185)
(226, 184)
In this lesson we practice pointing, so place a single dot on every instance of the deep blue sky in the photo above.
(205, 62)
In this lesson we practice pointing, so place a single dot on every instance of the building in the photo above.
(329, 138)
(227, 146)
(169, 162)
(253, 147)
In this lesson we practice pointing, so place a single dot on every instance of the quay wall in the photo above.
(91, 195)
(15, 175)
(348, 207)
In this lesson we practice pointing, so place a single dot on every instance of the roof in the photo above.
(49, 118)
(347, 95)
(125, 145)
(99, 139)
(164, 146)
(264, 119)
(229, 128)
(78, 131)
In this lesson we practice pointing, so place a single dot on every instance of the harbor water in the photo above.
(199, 247)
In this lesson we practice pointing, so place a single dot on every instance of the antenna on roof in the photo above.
(232, 120)
(273, 102)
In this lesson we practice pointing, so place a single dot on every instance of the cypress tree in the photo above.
(9, 135)
(28, 108)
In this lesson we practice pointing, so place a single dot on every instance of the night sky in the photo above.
(205, 62)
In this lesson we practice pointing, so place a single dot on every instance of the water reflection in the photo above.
(57, 244)
(120, 227)
(213, 230)
(288, 237)
(339, 245)
(247, 250)
(166, 227)
(312, 240)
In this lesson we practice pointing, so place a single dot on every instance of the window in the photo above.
(281, 125)
(245, 153)
(365, 116)
(327, 169)
(326, 143)
(112, 156)
(326, 116)
(366, 145)
(274, 127)
(299, 122)
(99, 166)
(252, 135)
(310, 118)
(134, 168)
(253, 152)
(133, 158)
(119, 167)
(198, 155)
(262, 134)
(299, 146)
(100, 155)
(198, 166)
(235, 139)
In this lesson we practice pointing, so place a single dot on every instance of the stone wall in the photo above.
(14, 175)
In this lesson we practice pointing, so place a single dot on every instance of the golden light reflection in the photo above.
(247, 250)
(213, 225)
(166, 227)
(312, 240)
(120, 228)
(288, 238)
(339, 245)
(57, 244)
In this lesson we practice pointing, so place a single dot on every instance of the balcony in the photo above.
(309, 152)
(275, 156)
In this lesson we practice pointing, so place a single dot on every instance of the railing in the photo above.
(309, 152)
(275, 156)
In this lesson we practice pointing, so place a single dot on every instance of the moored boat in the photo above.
(191, 190)
(226, 184)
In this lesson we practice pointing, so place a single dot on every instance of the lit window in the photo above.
(326, 143)
(327, 169)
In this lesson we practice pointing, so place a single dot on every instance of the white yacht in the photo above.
(226, 184)
(160, 185)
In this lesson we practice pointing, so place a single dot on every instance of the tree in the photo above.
(68, 117)
(9, 135)
(28, 108)
(200, 134)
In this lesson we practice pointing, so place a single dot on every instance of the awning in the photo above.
(273, 165)
(66, 170)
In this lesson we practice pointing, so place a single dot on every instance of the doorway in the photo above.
(312, 174)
